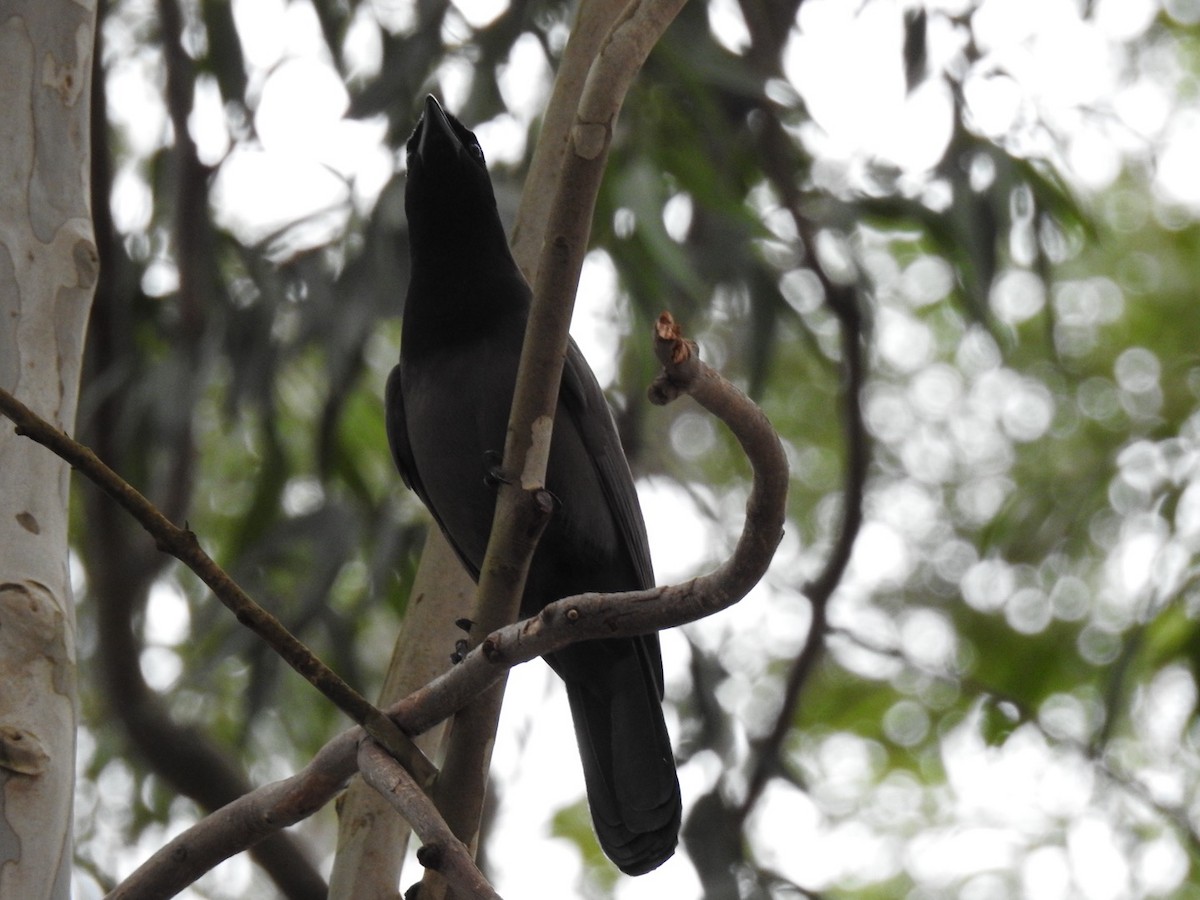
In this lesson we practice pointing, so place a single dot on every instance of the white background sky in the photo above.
(1052, 91)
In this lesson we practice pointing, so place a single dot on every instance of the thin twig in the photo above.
(182, 544)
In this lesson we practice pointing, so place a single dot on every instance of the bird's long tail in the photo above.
(628, 765)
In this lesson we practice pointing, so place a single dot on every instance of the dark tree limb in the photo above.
(568, 620)
(121, 565)
(194, 251)
(776, 151)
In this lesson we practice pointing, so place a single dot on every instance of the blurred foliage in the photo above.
(1027, 573)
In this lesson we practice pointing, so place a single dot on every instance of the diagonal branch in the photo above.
(559, 624)
(593, 20)
(183, 545)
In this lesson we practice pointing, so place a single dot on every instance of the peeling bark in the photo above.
(48, 271)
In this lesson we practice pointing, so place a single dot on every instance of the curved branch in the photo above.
(595, 615)
(559, 624)
(565, 242)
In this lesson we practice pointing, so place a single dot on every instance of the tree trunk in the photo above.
(371, 836)
(48, 269)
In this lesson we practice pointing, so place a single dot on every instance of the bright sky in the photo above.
(1047, 66)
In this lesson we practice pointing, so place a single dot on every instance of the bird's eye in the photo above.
(475, 150)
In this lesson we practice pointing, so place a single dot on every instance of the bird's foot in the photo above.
(462, 645)
(493, 466)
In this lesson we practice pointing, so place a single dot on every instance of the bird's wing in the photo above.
(584, 402)
(397, 432)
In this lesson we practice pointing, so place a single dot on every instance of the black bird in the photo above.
(448, 403)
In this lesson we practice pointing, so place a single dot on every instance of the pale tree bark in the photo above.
(48, 270)
(372, 836)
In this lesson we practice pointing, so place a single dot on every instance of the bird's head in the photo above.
(449, 194)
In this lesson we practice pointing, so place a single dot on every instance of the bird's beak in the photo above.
(435, 128)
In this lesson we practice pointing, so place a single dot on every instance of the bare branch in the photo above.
(593, 20)
(183, 545)
(466, 763)
(372, 839)
(593, 615)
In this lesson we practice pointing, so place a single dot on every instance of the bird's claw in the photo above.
(493, 465)
(462, 645)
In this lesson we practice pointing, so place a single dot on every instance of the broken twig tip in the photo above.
(667, 328)
(680, 359)
(671, 347)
